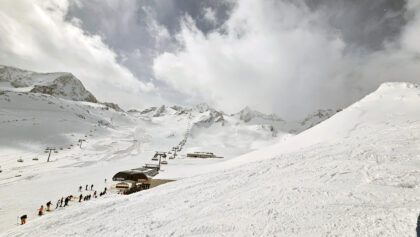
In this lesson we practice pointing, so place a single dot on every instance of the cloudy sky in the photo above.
(277, 56)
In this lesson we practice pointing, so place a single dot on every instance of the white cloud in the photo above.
(210, 15)
(279, 56)
(34, 35)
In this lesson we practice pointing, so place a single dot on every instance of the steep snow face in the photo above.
(59, 84)
(356, 174)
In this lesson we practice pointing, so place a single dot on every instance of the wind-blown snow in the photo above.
(355, 174)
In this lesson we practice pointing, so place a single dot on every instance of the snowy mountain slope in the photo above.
(60, 84)
(215, 131)
(31, 121)
(355, 174)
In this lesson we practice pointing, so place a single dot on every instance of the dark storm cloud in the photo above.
(125, 25)
(361, 23)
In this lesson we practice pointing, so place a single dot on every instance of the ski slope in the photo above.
(114, 140)
(355, 174)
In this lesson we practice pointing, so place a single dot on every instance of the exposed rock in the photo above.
(113, 106)
(160, 111)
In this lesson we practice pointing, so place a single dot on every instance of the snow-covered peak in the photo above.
(247, 114)
(59, 84)
(202, 107)
(396, 85)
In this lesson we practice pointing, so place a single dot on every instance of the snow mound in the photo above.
(355, 174)
(59, 84)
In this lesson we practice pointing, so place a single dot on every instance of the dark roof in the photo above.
(130, 175)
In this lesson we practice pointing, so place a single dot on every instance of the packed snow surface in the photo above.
(355, 174)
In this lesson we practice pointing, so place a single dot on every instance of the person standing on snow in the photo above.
(94, 194)
(86, 187)
(418, 226)
(80, 198)
(61, 202)
(41, 210)
(91, 187)
(80, 188)
(66, 201)
(58, 203)
(49, 206)
(23, 219)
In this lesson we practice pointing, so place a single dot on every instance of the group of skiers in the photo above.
(86, 188)
(65, 201)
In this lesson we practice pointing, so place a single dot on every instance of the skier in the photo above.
(80, 197)
(41, 209)
(105, 190)
(58, 203)
(418, 226)
(86, 187)
(23, 219)
(66, 201)
(80, 188)
(49, 206)
(91, 187)
(105, 180)
(94, 194)
(61, 202)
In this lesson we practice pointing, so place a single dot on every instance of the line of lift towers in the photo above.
(161, 156)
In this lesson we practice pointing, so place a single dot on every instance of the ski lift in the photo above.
(155, 157)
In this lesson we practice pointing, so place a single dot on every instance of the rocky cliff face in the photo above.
(60, 84)
(66, 86)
